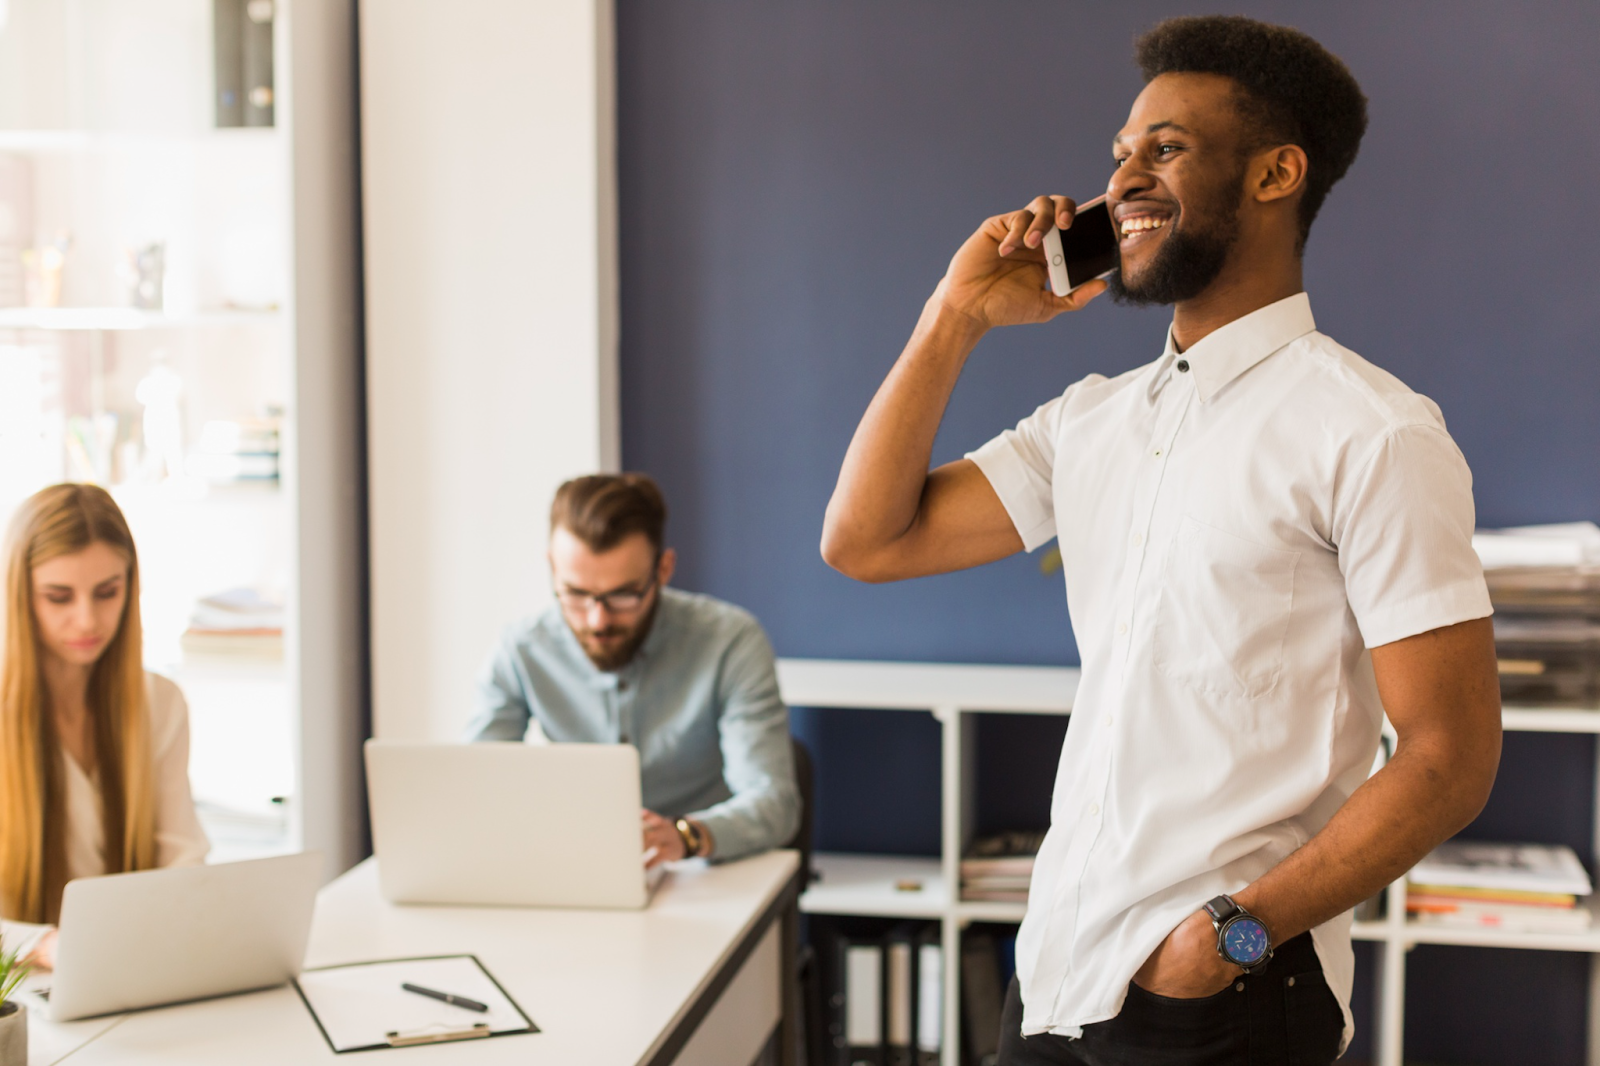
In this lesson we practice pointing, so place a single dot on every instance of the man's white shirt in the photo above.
(1238, 524)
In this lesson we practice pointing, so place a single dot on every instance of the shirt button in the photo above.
(1094, 810)
(1137, 539)
(1156, 453)
(1183, 366)
(1122, 628)
(1110, 718)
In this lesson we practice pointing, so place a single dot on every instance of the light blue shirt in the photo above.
(700, 701)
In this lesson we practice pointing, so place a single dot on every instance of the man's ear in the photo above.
(1279, 173)
(669, 563)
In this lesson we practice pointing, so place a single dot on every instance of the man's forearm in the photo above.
(881, 481)
(1424, 795)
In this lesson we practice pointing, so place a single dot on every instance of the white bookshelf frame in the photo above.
(865, 885)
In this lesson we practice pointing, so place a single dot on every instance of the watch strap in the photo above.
(691, 837)
(1222, 908)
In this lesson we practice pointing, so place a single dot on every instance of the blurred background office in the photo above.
(332, 296)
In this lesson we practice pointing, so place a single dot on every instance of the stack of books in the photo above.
(236, 623)
(998, 868)
(1525, 888)
(1545, 585)
(238, 451)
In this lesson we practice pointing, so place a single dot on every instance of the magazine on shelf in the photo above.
(1517, 867)
(1511, 917)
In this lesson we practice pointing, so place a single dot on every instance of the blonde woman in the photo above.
(94, 751)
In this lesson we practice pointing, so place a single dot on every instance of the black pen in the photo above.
(445, 997)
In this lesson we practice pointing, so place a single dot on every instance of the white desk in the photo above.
(697, 977)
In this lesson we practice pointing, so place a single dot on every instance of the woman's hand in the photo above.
(998, 277)
(43, 955)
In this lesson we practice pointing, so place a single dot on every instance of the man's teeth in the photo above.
(1144, 222)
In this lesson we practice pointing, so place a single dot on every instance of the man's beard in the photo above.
(1186, 263)
(615, 656)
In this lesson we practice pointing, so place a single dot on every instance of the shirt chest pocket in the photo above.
(1223, 616)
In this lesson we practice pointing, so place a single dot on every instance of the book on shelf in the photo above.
(237, 623)
(1511, 917)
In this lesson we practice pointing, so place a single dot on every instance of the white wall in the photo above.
(489, 197)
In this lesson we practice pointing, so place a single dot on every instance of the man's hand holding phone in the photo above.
(999, 276)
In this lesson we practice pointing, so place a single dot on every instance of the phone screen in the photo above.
(1090, 243)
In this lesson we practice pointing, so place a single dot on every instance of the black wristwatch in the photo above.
(1242, 938)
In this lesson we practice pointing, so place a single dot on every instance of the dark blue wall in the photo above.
(794, 178)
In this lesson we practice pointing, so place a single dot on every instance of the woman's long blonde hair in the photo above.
(58, 521)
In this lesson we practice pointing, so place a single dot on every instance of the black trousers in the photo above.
(1284, 1016)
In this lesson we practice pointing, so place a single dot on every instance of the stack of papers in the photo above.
(1544, 582)
(1526, 888)
(998, 869)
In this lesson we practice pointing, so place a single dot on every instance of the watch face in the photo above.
(1244, 941)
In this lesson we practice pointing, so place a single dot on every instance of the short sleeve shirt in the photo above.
(1238, 525)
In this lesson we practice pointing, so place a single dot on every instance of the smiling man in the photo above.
(620, 658)
(1267, 545)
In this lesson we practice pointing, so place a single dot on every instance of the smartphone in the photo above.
(1084, 251)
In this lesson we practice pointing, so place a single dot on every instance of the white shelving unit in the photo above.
(107, 144)
(881, 886)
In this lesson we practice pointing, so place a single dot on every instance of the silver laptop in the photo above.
(164, 936)
(511, 824)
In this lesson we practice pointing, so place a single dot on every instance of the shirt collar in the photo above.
(1226, 353)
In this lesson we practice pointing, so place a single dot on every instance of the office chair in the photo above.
(804, 779)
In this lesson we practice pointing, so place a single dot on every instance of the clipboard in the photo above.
(361, 1006)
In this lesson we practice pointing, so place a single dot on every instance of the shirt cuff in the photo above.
(1015, 482)
(729, 836)
(1434, 609)
(21, 937)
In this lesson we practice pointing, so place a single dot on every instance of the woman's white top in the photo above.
(180, 841)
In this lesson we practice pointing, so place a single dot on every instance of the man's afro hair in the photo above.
(1294, 91)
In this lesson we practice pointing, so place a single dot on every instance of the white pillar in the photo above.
(489, 197)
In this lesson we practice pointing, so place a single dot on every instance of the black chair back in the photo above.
(804, 780)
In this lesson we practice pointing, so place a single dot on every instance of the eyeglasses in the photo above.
(618, 601)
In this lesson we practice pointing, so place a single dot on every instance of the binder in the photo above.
(930, 996)
(981, 1001)
(227, 50)
(257, 62)
(900, 994)
(362, 1006)
(860, 1001)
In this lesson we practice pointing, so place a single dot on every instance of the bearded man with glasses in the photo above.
(620, 658)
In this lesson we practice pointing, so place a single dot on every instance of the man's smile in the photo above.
(1137, 221)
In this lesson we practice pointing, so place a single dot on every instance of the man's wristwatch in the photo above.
(693, 840)
(1242, 939)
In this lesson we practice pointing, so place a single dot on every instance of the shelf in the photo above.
(62, 141)
(925, 686)
(1551, 719)
(976, 911)
(1378, 930)
(122, 318)
(865, 885)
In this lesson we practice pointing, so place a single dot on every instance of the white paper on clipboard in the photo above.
(362, 1006)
